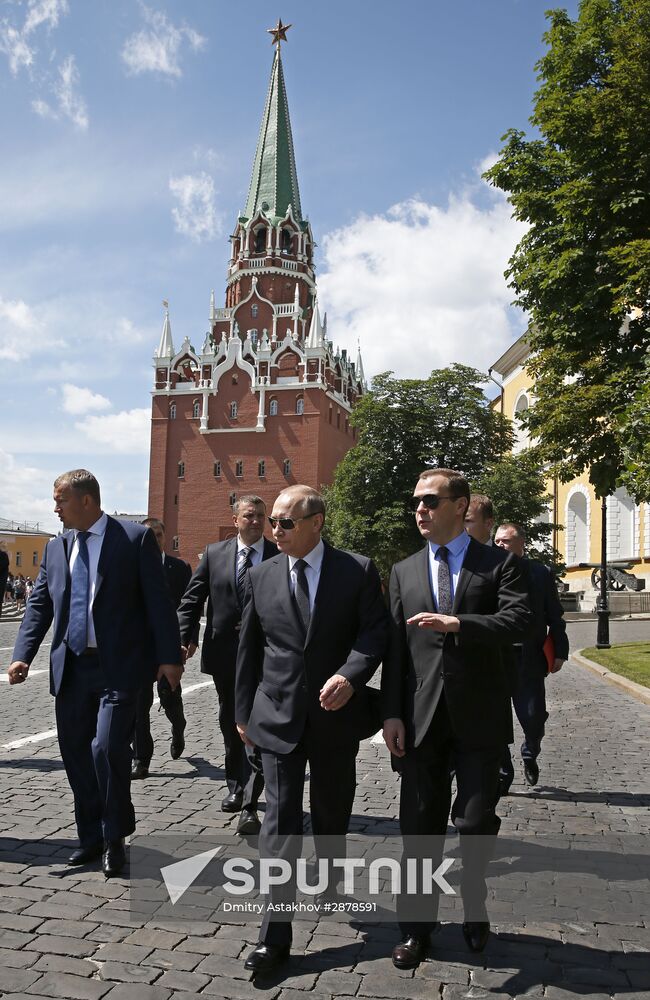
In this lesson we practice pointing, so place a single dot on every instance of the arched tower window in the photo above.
(172, 411)
(285, 241)
(260, 240)
(300, 405)
(196, 409)
(254, 310)
(522, 437)
(273, 408)
(577, 529)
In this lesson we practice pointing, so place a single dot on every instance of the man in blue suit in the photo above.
(101, 585)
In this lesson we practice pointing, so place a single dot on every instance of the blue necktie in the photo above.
(78, 624)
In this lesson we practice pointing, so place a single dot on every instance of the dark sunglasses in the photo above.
(429, 500)
(288, 523)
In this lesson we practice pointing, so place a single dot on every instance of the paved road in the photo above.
(66, 933)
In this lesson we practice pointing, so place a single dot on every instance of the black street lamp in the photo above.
(602, 604)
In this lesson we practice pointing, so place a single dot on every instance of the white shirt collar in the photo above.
(257, 547)
(98, 528)
(314, 559)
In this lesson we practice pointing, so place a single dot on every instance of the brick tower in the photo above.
(266, 401)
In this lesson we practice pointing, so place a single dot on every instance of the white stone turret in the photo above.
(166, 345)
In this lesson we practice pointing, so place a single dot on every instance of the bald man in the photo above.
(313, 632)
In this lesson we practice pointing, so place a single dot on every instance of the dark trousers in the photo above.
(171, 702)
(332, 784)
(529, 700)
(243, 765)
(94, 726)
(424, 811)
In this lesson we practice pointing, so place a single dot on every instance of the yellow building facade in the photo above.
(574, 505)
(25, 548)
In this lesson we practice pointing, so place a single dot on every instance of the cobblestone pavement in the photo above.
(66, 933)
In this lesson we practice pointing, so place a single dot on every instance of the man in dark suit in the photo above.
(4, 574)
(479, 519)
(101, 584)
(313, 633)
(177, 574)
(220, 577)
(529, 695)
(454, 606)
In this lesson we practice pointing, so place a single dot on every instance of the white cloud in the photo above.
(125, 433)
(16, 49)
(422, 286)
(26, 493)
(47, 12)
(157, 49)
(22, 332)
(126, 332)
(14, 41)
(69, 103)
(195, 214)
(77, 400)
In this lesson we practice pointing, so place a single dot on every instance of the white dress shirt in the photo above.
(456, 550)
(314, 561)
(94, 544)
(256, 552)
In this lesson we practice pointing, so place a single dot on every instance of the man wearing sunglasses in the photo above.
(456, 606)
(313, 633)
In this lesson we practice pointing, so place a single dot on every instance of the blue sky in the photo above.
(129, 130)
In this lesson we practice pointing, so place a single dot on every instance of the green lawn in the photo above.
(630, 659)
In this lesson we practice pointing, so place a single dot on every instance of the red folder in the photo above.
(549, 653)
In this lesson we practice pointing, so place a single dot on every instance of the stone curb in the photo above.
(637, 691)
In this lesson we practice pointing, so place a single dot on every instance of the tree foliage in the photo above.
(582, 271)
(517, 487)
(404, 426)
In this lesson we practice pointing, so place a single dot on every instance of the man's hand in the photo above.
(440, 623)
(557, 665)
(241, 729)
(191, 650)
(395, 736)
(17, 672)
(335, 693)
(172, 671)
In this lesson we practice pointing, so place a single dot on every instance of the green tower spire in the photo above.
(274, 181)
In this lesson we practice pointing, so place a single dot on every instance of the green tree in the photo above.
(635, 436)
(404, 426)
(517, 486)
(582, 271)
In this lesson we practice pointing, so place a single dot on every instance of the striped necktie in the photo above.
(245, 564)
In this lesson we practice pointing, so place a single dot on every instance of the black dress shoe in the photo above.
(249, 823)
(139, 770)
(113, 858)
(83, 855)
(178, 740)
(531, 771)
(265, 957)
(410, 952)
(232, 803)
(476, 934)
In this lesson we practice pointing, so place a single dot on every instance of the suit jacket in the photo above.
(281, 669)
(214, 579)
(178, 574)
(547, 616)
(470, 665)
(133, 614)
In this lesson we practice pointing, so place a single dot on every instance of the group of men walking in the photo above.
(295, 630)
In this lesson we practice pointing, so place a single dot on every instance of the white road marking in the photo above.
(32, 673)
(48, 734)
